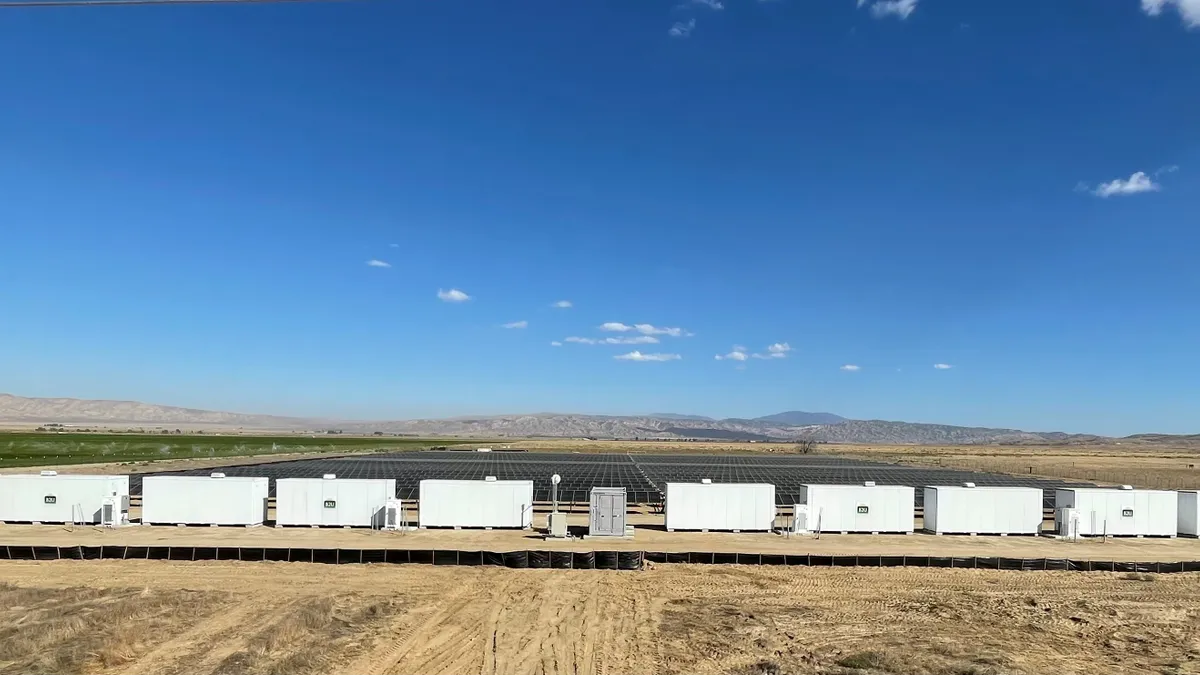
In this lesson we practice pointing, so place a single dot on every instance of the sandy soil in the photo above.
(259, 618)
(645, 538)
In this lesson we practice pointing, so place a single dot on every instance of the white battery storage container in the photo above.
(476, 503)
(720, 506)
(1118, 512)
(1189, 513)
(52, 498)
(868, 508)
(968, 509)
(332, 501)
(204, 500)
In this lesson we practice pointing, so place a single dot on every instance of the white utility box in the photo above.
(1120, 512)
(968, 509)
(866, 508)
(75, 498)
(556, 525)
(476, 503)
(394, 517)
(720, 506)
(332, 501)
(216, 499)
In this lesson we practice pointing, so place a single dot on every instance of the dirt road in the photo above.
(232, 618)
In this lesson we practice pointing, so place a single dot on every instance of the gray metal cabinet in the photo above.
(608, 512)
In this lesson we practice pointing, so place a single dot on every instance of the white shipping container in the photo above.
(332, 501)
(1189, 513)
(476, 503)
(204, 500)
(720, 506)
(52, 498)
(1120, 512)
(956, 509)
(859, 508)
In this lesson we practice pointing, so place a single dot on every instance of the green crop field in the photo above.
(45, 449)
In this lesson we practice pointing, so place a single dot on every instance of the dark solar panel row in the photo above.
(643, 476)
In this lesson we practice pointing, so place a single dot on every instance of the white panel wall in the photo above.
(1189, 513)
(835, 508)
(203, 500)
(720, 506)
(57, 499)
(1122, 512)
(951, 509)
(333, 501)
(476, 503)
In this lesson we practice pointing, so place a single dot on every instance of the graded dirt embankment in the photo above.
(137, 617)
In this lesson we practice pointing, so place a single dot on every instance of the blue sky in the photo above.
(191, 197)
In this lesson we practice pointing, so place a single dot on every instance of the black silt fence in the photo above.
(601, 560)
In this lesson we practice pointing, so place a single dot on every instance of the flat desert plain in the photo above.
(136, 617)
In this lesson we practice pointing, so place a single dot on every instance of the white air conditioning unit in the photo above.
(393, 514)
(114, 511)
(1066, 523)
(800, 519)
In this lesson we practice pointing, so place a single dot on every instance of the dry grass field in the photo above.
(265, 618)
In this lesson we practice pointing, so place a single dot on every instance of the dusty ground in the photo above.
(261, 618)
(646, 538)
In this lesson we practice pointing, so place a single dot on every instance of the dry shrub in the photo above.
(869, 660)
(1138, 576)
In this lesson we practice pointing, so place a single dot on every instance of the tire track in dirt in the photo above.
(175, 654)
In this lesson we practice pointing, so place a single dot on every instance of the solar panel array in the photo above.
(644, 477)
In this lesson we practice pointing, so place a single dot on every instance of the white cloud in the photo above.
(517, 324)
(898, 8)
(633, 340)
(682, 29)
(1166, 169)
(562, 304)
(942, 366)
(452, 295)
(1189, 10)
(378, 263)
(556, 343)
(779, 348)
(615, 327)
(711, 4)
(738, 354)
(851, 368)
(1138, 182)
(647, 329)
(638, 356)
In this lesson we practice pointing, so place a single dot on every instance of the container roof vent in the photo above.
(706, 481)
(49, 473)
(329, 476)
(216, 475)
(483, 450)
(490, 479)
(869, 483)
(1126, 487)
(968, 484)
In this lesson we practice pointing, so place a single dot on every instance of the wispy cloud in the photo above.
(682, 29)
(1137, 183)
(779, 350)
(851, 368)
(394, 245)
(632, 340)
(942, 366)
(897, 8)
(556, 343)
(516, 324)
(615, 327)
(1189, 10)
(738, 354)
(711, 4)
(562, 304)
(1166, 169)
(452, 295)
(378, 263)
(638, 356)
(647, 329)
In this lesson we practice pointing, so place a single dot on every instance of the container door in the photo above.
(329, 504)
(604, 514)
(618, 513)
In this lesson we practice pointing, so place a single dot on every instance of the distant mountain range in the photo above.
(786, 426)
